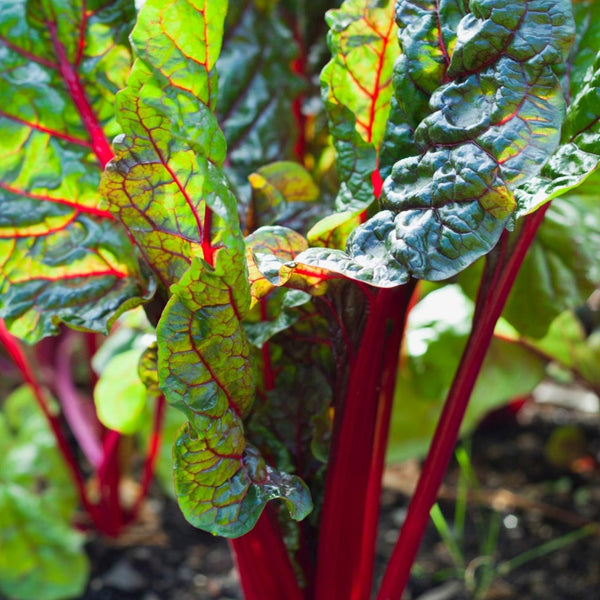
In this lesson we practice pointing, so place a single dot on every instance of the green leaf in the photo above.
(62, 258)
(257, 87)
(205, 370)
(494, 124)
(567, 343)
(561, 267)
(42, 557)
(437, 331)
(283, 193)
(586, 14)
(166, 184)
(579, 153)
(427, 33)
(120, 395)
(356, 87)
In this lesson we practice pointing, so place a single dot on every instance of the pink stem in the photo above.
(501, 270)
(78, 412)
(14, 349)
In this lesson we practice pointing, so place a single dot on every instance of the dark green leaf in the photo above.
(256, 89)
(494, 124)
(561, 268)
(427, 33)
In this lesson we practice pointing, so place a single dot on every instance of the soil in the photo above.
(538, 479)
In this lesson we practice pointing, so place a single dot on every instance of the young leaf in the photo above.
(204, 369)
(283, 193)
(356, 87)
(62, 258)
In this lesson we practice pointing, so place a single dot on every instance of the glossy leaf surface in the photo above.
(62, 258)
(493, 123)
(427, 33)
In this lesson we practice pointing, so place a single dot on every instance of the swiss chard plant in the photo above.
(180, 158)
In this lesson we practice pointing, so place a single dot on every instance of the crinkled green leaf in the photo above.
(205, 370)
(579, 153)
(492, 127)
(257, 87)
(427, 33)
(229, 495)
(437, 331)
(567, 168)
(166, 183)
(357, 89)
(61, 257)
(42, 557)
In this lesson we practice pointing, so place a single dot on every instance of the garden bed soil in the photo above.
(539, 487)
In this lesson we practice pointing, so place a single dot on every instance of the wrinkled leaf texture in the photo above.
(168, 187)
(476, 114)
(62, 258)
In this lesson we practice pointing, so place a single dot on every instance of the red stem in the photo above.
(382, 429)
(151, 456)
(70, 76)
(109, 476)
(345, 554)
(18, 356)
(263, 563)
(78, 413)
(501, 269)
